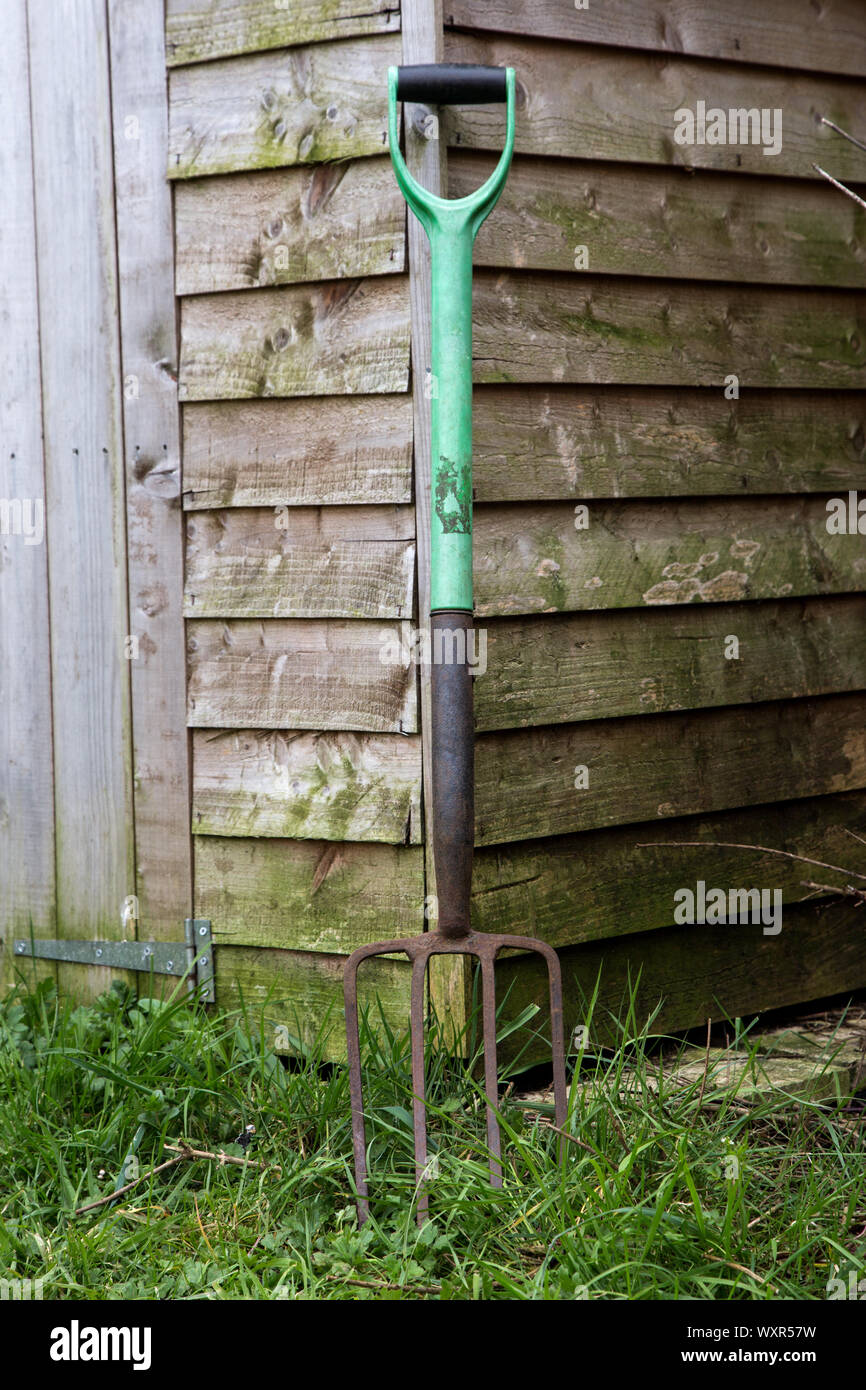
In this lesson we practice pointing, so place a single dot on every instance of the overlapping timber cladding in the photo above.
(674, 636)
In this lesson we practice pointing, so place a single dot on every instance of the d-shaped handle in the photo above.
(451, 84)
(437, 84)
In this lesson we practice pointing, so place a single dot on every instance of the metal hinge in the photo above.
(193, 956)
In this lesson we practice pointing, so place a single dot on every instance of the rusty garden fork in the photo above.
(451, 227)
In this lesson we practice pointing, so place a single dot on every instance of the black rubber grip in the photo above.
(451, 84)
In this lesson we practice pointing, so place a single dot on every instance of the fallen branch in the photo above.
(186, 1152)
(112, 1196)
(182, 1152)
(846, 889)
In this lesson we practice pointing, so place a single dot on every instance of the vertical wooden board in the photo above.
(198, 30)
(26, 772)
(83, 437)
(152, 449)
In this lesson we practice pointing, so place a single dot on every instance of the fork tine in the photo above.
(353, 1053)
(491, 1091)
(419, 1106)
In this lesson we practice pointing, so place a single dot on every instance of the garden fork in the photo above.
(451, 227)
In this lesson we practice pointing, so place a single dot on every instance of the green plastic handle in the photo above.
(451, 226)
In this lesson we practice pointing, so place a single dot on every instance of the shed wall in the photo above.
(600, 387)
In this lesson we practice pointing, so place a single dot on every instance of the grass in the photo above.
(660, 1198)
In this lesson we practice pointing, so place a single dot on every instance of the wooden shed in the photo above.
(215, 387)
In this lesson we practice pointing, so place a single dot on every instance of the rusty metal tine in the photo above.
(419, 1108)
(356, 1092)
(557, 1040)
(488, 1010)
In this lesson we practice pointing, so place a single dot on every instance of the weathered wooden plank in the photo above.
(664, 222)
(782, 33)
(308, 786)
(698, 972)
(534, 560)
(338, 337)
(299, 995)
(305, 105)
(154, 522)
(299, 675)
(84, 457)
(301, 562)
(327, 450)
(570, 889)
(530, 782)
(562, 441)
(199, 30)
(545, 327)
(308, 895)
(246, 231)
(604, 883)
(605, 665)
(622, 107)
(26, 771)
